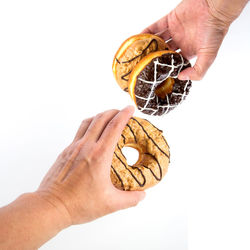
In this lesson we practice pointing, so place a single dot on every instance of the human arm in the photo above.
(77, 189)
(198, 28)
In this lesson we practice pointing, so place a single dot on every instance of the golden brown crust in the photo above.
(131, 52)
(153, 159)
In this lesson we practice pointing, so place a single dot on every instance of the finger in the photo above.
(157, 27)
(98, 124)
(160, 28)
(200, 68)
(172, 45)
(114, 128)
(126, 199)
(83, 128)
(164, 34)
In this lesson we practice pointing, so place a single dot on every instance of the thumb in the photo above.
(200, 68)
(129, 198)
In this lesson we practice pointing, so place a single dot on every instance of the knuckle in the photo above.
(105, 114)
(94, 157)
(113, 110)
(99, 116)
(86, 160)
(85, 121)
(92, 153)
(110, 112)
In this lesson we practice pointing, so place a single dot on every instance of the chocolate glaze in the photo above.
(124, 164)
(154, 126)
(121, 151)
(143, 89)
(165, 141)
(124, 139)
(161, 136)
(150, 137)
(153, 41)
(123, 76)
(131, 130)
(143, 176)
(159, 166)
(118, 176)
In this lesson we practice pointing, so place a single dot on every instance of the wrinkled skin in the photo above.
(198, 28)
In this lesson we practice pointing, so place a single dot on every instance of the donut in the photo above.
(153, 161)
(153, 83)
(131, 52)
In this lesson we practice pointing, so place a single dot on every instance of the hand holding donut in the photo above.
(145, 67)
(198, 28)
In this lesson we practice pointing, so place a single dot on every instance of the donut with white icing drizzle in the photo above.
(154, 85)
(154, 156)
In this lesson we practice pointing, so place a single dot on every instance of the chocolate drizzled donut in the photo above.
(131, 52)
(153, 156)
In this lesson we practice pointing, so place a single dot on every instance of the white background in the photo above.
(55, 70)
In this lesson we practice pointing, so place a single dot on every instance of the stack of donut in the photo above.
(145, 67)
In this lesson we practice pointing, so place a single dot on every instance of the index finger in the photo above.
(157, 27)
(114, 128)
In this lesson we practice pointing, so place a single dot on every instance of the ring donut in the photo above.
(131, 52)
(153, 83)
(153, 159)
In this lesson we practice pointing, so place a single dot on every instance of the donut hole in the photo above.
(165, 88)
(131, 154)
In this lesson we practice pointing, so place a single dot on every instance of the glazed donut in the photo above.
(131, 52)
(153, 159)
(153, 83)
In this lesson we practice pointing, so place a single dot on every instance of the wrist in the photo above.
(34, 219)
(226, 11)
(57, 210)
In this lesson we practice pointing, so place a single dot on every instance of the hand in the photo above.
(79, 182)
(77, 188)
(198, 28)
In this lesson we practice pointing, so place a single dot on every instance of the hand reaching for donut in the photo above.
(80, 178)
(198, 28)
(77, 189)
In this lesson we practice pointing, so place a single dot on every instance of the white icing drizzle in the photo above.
(143, 98)
(155, 83)
(170, 39)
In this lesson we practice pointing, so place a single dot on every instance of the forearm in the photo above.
(29, 222)
(227, 10)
